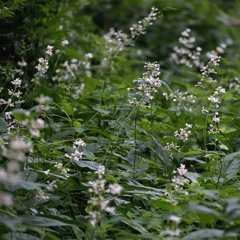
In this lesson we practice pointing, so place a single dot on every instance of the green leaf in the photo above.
(1, 5)
(75, 96)
(205, 234)
(204, 210)
(192, 176)
(25, 185)
(88, 164)
(161, 155)
(3, 125)
(135, 226)
(138, 189)
(19, 236)
(162, 204)
(98, 109)
(231, 165)
(62, 134)
(78, 233)
(9, 221)
(47, 221)
(20, 115)
(73, 185)
(88, 154)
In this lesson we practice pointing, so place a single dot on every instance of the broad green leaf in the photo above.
(139, 189)
(162, 204)
(87, 164)
(135, 226)
(231, 165)
(10, 221)
(162, 156)
(25, 185)
(20, 114)
(19, 1)
(88, 154)
(99, 109)
(29, 175)
(75, 96)
(208, 234)
(19, 236)
(3, 125)
(73, 185)
(47, 221)
(203, 209)
(192, 176)
(63, 134)
(78, 233)
(1, 5)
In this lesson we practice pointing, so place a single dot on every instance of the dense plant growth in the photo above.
(119, 122)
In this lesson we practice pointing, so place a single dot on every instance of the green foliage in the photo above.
(98, 141)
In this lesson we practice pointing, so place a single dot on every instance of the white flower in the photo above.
(89, 55)
(49, 50)
(43, 99)
(182, 170)
(180, 180)
(175, 219)
(114, 189)
(173, 232)
(6, 199)
(79, 143)
(101, 170)
(216, 119)
(17, 82)
(110, 210)
(64, 43)
(20, 144)
(46, 172)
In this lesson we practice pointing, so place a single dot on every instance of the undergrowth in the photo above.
(98, 144)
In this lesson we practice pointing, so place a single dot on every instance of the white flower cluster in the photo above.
(178, 183)
(6, 199)
(173, 231)
(235, 84)
(180, 180)
(122, 37)
(41, 195)
(14, 150)
(49, 50)
(184, 133)
(98, 204)
(15, 98)
(43, 65)
(215, 97)
(116, 40)
(77, 154)
(208, 70)
(147, 85)
(172, 146)
(34, 125)
(182, 98)
(213, 129)
(43, 102)
(64, 42)
(187, 55)
(15, 153)
(19, 71)
(219, 50)
(69, 71)
(140, 27)
(62, 169)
